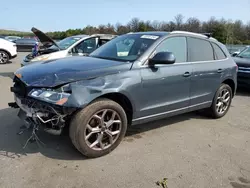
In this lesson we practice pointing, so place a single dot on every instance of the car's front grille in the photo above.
(244, 69)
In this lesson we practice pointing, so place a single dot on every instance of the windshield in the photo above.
(245, 53)
(66, 43)
(12, 37)
(127, 47)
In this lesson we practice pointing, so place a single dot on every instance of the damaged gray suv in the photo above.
(134, 78)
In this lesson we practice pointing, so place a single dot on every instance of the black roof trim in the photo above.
(207, 34)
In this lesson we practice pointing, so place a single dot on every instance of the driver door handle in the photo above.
(186, 74)
(220, 70)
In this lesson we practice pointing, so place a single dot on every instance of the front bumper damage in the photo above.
(50, 118)
(37, 114)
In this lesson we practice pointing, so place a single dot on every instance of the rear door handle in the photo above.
(186, 74)
(220, 70)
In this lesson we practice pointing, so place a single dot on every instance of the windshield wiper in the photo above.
(239, 56)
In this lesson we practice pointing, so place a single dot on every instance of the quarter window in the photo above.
(219, 54)
(199, 50)
(176, 45)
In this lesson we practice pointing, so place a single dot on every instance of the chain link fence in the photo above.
(233, 48)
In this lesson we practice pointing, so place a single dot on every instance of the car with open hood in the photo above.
(70, 46)
(243, 61)
(132, 79)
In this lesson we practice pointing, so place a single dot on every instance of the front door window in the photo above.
(176, 45)
(85, 47)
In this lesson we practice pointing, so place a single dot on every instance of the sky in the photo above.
(57, 15)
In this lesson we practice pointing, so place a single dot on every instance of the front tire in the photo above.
(4, 57)
(99, 128)
(221, 102)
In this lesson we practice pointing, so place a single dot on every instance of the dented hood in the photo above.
(54, 73)
(44, 39)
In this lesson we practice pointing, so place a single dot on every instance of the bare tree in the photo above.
(134, 25)
(121, 29)
(179, 21)
(193, 25)
(226, 31)
(248, 31)
(229, 33)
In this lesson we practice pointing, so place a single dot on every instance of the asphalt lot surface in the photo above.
(190, 150)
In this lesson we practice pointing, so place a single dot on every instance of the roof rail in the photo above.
(101, 34)
(207, 34)
(188, 32)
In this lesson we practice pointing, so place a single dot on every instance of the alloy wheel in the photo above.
(103, 129)
(3, 57)
(223, 101)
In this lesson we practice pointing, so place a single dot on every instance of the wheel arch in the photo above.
(231, 83)
(1, 49)
(123, 100)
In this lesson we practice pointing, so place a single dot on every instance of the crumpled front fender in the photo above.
(85, 91)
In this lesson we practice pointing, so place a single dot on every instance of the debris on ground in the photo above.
(162, 183)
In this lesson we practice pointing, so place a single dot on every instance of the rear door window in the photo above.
(199, 50)
(218, 53)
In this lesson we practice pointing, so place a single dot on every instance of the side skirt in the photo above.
(171, 113)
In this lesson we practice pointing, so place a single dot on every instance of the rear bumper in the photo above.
(13, 52)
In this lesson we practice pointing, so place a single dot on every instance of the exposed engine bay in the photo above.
(41, 51)
(38, 114)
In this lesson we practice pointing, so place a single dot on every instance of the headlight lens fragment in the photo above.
(50, 96)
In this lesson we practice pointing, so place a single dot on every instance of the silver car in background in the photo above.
(70, 46)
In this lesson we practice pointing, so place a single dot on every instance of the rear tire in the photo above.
(4, 57)
(221, 102)
(99, 128)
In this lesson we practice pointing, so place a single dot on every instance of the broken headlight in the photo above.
(59, 96)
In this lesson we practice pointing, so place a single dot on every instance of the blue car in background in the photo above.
(242, 59)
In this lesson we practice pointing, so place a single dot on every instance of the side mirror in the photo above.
(162, 58)
(70, 51)
(235, 54)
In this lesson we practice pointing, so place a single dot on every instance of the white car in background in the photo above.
(70, 46)
(8, 51)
